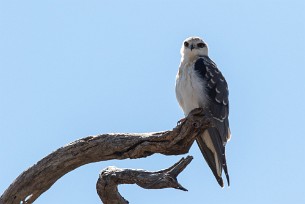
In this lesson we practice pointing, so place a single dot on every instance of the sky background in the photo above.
(69, 69)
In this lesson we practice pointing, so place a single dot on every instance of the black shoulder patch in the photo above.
(216, 86)
(200, 67)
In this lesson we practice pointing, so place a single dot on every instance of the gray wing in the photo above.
(213, 140)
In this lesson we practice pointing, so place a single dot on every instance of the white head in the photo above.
(192, 47)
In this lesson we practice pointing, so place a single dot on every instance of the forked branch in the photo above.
(29, 185)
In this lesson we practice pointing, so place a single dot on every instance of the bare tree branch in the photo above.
(29, 185)
(111, 177)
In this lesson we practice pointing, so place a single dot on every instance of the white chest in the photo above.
(190, 89)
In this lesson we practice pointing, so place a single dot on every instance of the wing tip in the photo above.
(221, 183)
(228, 179)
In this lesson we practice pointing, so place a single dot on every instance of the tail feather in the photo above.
(213, 150)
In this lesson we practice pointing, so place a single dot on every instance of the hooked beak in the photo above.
(192, 47)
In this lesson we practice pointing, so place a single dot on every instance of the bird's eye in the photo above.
(201, 45)
(186, 44)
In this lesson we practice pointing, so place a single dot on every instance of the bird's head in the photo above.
(193, 47)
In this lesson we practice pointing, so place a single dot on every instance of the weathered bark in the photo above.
(29, 185)
(111, 177)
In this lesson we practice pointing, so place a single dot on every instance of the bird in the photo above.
(200, 84)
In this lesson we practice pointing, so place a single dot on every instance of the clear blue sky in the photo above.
(69, 69)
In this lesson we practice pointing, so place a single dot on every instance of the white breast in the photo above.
(190, 89)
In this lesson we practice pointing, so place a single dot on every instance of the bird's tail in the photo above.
(213, 150)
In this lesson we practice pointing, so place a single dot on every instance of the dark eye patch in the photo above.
(201, 45)
(186, 44)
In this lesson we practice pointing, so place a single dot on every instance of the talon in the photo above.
(181, 121)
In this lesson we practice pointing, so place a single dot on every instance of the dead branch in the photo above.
(111, 177)
(30, 184)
